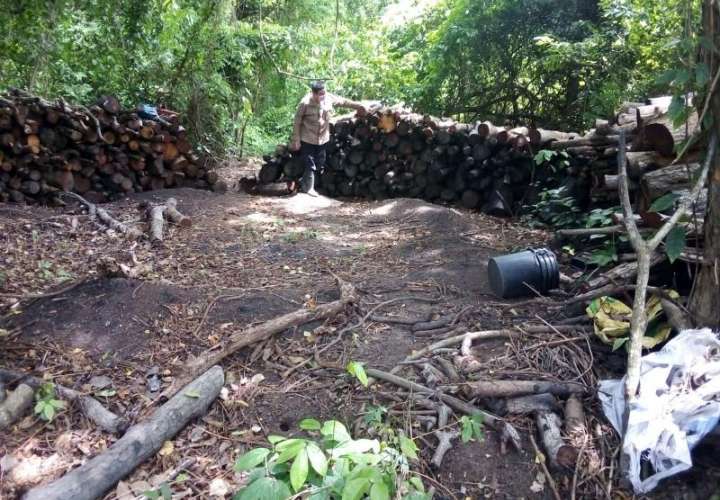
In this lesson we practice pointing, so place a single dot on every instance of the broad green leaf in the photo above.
(379, 491)
(356, 446)
(666, 77)
(682, 76)
(192, 393)
(251, 459)
(466, 431)
(57, 404)
(272, 439)
(408, 447)
(299, 470)
(702, 74)
(355, 489)
(417, 484)
(265, 488)
(165, 491)
(619, 342)
(675, 243)
(357, 370)
(291, 451)
(332, 429)
(151, 494)
(310, 424)
(317, 458)
(48, 412)
(664, 202)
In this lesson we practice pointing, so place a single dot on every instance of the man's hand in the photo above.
(295, 145)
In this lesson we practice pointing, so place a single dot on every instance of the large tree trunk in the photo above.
(705, 300)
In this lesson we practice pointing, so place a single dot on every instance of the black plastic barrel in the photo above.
(508, 274)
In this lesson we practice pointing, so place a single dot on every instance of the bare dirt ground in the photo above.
(245, 260)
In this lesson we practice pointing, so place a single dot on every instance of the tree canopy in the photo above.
(232, 66)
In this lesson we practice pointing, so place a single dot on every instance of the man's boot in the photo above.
(307, 183)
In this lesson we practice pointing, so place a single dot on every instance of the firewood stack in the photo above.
(393, 152)
(100, 152)
(652, 146)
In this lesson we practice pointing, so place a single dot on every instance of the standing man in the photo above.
(311, 130)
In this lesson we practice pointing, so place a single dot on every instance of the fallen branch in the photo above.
(100, 213)
(525, 405)
(445, 438)
(576, 233)
(91, 407)
(432, 325)
(92, 479)
(155, 215)
(511, 388)
(456, 404)
(263, 331)
(549, 426)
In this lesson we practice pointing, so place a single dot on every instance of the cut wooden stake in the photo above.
(263, 331)
(91, 407)
(549, 426)
(155, 215)
(94, 478)
(174, 214)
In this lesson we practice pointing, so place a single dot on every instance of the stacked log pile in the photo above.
(393, 152)
(100, 152)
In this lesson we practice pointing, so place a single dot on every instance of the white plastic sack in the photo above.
(678, 404)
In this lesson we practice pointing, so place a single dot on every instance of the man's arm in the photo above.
(297, 125)
(341, 102)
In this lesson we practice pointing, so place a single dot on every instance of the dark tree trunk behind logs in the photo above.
(705, 300)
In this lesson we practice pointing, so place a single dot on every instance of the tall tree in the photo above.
(705, 301)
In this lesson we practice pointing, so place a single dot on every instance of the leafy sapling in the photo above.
(47, 405)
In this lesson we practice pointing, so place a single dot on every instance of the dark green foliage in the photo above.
(557, 63)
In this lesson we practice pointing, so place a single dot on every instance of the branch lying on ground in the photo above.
(445, 438)
(257, 333)
(91, 407)
(100, 213)
(512, 388)
(507, 430)
(94, 478)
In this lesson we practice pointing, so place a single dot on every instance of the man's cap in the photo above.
(317, 86)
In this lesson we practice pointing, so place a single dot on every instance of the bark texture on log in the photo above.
(559, 454)
(91, 407)
(94, 478)
(48, 147)
(15, 405)
(510, 388)
(705, 301)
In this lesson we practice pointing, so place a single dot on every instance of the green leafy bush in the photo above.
(333, 466)
(47, 406)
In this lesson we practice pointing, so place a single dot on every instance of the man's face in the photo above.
(319, 95)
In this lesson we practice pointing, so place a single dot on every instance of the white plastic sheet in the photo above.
(678, 404)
